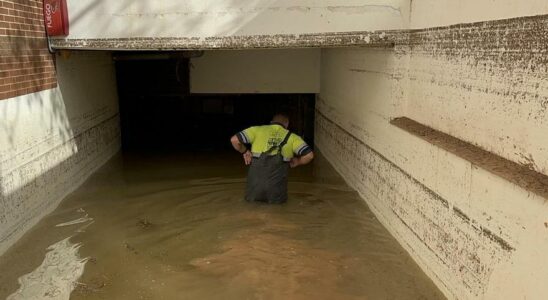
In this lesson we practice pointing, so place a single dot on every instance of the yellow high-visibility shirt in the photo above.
(262, 138)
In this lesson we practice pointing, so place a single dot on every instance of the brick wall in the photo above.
(26, 66)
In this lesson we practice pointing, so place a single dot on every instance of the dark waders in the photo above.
(267, 176)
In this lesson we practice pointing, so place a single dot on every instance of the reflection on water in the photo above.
(176, 227)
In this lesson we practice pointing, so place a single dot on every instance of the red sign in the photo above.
(56, 17)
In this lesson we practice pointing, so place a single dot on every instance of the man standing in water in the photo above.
(273, 150)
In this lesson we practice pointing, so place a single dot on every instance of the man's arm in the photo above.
(302, 160)
(238, 146)
(303, 152)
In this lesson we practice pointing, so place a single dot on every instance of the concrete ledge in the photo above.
(378, 38)
(520, 175)
(330, 39)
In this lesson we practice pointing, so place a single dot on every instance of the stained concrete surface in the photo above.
(521, 175)
(175, 227)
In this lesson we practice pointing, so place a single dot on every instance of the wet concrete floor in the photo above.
(175, 227)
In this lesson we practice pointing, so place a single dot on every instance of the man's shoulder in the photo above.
(253, 127)
(295, 136)
(260, 128)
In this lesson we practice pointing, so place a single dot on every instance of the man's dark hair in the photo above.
(281, 115)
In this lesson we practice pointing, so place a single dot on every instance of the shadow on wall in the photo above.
(33, 126)
(53, 139)
(195, 21)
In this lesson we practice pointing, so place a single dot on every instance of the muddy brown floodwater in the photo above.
(175, 227)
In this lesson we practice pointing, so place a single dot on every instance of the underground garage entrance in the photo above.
(159, 112)
(165, 218)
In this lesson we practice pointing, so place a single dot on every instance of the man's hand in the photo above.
(247, 157)
(294, 162)
(240, 147)
(303, 160)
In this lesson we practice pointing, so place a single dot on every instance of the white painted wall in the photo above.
(256, 71)
(217, 18)
(491, 92)
(416, 188)
(208, 18)
(510, 120)
(433, 13)
(51, 141)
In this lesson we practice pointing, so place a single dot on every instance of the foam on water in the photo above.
(56, 277)
(74, 222)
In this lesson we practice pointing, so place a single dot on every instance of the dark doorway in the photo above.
(159, 113)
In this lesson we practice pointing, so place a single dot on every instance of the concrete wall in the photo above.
(52, 140)
(494, 72)
(256, 71)
(211, 18)
(433, 13)
(476, 234)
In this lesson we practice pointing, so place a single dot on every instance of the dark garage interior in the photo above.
(158, 111)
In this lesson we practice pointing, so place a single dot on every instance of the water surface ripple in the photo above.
(176, 227)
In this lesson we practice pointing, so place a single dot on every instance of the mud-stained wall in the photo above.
(485, 83)
(257, 71)
(433, 13)
(213, 18)
(51, 141)
(476, 234)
